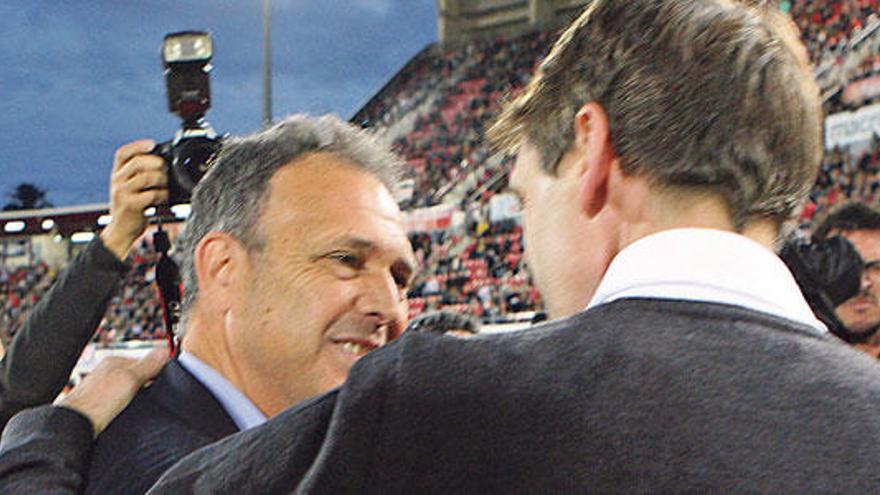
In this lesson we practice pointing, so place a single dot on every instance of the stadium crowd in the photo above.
(22, 288)
(844, 175)
(132, 314)
(446, 143)
(827, 25)
(852, 96)
(480, 272)
(135, 313)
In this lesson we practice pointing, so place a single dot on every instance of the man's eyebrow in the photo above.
(355, 243)
(405, 263)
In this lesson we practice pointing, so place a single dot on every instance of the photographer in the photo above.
(860, 314)
(828, 272)
(40, 358)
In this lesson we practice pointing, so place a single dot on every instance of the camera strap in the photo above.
(168, 280)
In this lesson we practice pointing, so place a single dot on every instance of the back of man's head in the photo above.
(850, 216)
(711, 95)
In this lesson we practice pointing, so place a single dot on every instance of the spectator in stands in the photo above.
(444, 322)
(295, 264)
(860, 224)
(826, 25)
(660, 147)
(444, 145)
(844, 176)
(41, 356)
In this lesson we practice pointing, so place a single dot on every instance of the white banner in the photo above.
(503, 207)
(405, 190)
(845, 128)
(859, 91)
(427, 219)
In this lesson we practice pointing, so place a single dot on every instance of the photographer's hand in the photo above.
(110, 387)
(138, 180)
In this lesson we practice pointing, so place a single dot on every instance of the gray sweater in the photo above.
(632, 396)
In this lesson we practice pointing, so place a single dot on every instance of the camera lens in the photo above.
(191, 160)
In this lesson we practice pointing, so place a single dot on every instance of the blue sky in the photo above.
(80, 78)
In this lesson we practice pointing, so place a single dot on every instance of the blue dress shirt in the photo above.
(242, 411)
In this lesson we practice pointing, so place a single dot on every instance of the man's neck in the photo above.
(666, 211)
(206, 339)
(214, 352)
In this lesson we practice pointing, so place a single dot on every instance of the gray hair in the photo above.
(709, 94)
(231, 196)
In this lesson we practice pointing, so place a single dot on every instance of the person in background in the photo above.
(860, 225)
(445, 323)
(37, 364)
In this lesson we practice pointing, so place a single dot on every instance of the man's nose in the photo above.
(381, 298)
(867, 281)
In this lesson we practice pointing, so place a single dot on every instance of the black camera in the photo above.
(186, 57)
(828, 272)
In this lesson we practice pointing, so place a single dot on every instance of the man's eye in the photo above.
(348, 259)
(401, 281)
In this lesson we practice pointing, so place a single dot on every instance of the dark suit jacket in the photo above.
(45, 450)
(165, 422)
(632, 396)
(39, 360)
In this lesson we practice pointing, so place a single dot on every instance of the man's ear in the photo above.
(220, 261)
(592, 142)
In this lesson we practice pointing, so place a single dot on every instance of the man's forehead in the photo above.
(321, 168)
(866, 242)
(324, 184)
(336, 222)
(860, 234)
(367, 223)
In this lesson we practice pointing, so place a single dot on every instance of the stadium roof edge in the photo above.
(46, 212)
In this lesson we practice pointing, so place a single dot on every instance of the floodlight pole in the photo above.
(267, 68)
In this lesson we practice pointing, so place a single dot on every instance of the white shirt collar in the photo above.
(706, 265)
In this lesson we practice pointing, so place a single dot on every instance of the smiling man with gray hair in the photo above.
(295, 264)
(660, 146)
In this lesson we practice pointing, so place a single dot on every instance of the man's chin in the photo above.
(861, 331)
